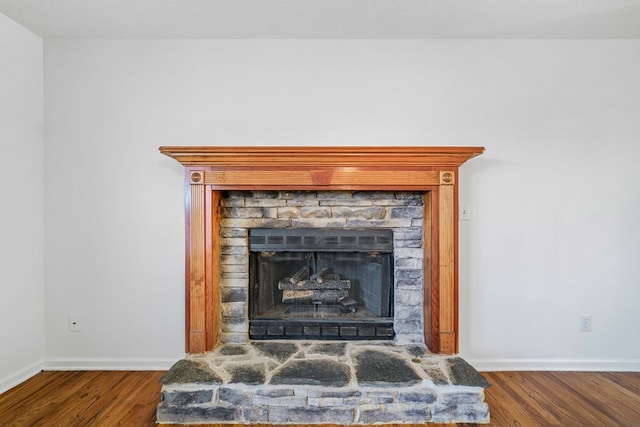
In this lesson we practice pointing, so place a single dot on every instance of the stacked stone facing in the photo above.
(284, 382)
(402, 212)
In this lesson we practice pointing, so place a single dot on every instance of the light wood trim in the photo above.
(288, 178)
(427, 269)
(319, 157)
(446, 263)
(433, 338)
(213, 268)
(197, 325)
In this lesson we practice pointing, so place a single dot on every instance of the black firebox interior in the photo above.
(319, 283)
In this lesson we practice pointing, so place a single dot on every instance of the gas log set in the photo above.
(319, 290)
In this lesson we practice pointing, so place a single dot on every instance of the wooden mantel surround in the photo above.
(432, 170)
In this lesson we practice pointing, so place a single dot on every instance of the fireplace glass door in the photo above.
(321, 284)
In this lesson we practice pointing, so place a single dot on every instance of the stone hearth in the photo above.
(326, 382)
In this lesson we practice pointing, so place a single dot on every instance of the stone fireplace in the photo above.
(301, 258)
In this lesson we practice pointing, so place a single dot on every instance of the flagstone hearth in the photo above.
(322, 382)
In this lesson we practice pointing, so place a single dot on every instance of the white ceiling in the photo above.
(179, 19)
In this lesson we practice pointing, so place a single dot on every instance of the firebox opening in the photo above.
(321, 284)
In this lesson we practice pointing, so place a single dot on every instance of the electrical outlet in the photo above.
(465, 212)
(584, 322)
(74, 322)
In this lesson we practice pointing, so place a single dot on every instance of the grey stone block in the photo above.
(411, 312)
(265, 203)
(417, 222)
(166, 414)
(241, 212)
(408, 234)
(234, 242)
(233, 338)
(234, 325)
(275, 392)
(232, 350)
(187, 397)
(409, 297)
(408, 253)
(318, 222)
(407, 263)
(247, 374)
(234, 271)
(288, 212)
(378, 223)
(461, 373)
(233, 232)
(332, 402)
(331, 393)
(408, 195)
(254, 223)
(234, 396)
(311, 415)
(284, 402)
(408, 326)
(478, 413)
(235, 282)
(233, 309)
(232, 203)
(189, 371)
(436, 375)
(315, 212)
(398, 413)
(418, 351)
(276, 350)
(298, 195)
(270, 212)
(234, 295)
(239, 194)
(315, 372)
(378, 397)
(461, 397)
(416, 396)
(255, 414)
(234, 250)
(409, 244)
(408, 273)
(233, 259)
(334, 195)
(227, 278)
(406, 212)
(348, 203)
(329, 349)
(411, 284)
(373, 195)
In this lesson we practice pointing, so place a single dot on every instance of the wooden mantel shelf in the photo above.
(432, 170)
(322, 156)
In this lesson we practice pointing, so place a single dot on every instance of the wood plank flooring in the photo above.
(121, 398)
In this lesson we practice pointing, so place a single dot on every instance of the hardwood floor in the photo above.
(115, 398)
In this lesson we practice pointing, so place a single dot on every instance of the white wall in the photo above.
(554, 200)
(21, 205)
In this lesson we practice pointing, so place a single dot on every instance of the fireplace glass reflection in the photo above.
(321, 284)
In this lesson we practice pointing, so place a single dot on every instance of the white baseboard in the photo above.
(593, 365)
(107, 364)
(22, 375)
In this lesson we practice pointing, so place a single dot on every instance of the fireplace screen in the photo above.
(321, 284)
